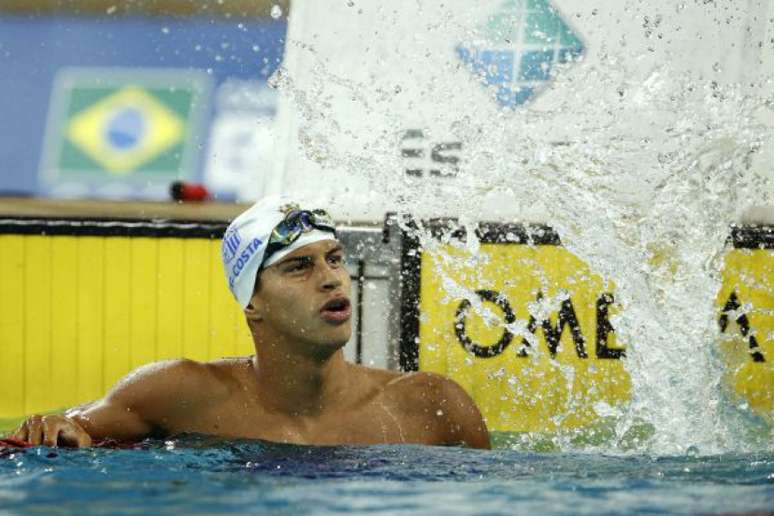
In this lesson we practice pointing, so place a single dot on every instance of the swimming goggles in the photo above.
(296, 223)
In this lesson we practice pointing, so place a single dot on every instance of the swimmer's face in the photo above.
(305, 298)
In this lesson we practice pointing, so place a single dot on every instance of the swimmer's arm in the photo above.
(138, 406)
(148, 401)
(464, 424)
(79, 426)
(454, 419)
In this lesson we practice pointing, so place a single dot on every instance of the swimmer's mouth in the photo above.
(337, 310)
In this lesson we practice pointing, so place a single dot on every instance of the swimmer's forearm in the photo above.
(105, 420)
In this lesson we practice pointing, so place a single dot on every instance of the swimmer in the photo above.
(285, 267)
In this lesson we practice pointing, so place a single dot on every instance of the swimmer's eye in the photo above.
(303, 263)
(336, 259)
(299, 264)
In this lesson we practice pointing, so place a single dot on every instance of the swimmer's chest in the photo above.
(377, 422)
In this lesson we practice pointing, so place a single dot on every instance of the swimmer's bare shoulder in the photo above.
(440, 403)
(152, 399)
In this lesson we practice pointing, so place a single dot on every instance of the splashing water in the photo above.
(681, 215)
(646, 168)
(697, 186)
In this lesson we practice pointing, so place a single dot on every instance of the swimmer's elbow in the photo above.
(109, 419)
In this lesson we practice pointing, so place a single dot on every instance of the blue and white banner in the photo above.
(42, 55)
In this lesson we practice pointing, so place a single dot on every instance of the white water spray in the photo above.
(642, 169)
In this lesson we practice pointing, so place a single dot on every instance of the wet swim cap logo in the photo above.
(244, 259)
(231, 241)
(516, 49)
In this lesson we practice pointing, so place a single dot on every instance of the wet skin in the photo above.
(296, 389)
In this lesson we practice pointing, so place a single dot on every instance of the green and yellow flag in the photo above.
(127, 129)
(135, 128)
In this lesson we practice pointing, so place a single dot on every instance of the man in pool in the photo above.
(286, 268)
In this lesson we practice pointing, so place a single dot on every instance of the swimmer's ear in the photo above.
(252, 310)
(252, 313)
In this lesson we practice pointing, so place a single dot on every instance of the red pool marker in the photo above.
(189, 192)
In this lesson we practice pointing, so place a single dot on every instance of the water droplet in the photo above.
(276, 11)
(439, 412)
(165, 30)
(112, 9)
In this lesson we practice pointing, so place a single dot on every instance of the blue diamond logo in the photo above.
(518, 47)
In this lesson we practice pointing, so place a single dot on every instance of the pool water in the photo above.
(197, 474)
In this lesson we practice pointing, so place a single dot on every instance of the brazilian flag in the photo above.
(135, 128)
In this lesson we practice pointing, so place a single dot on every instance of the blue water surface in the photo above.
(200, 475)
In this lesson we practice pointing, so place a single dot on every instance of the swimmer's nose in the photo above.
(331, 279)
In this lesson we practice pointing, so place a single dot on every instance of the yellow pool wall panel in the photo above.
(522, 389)
(748, 276)
(79, 312)
(543, 392)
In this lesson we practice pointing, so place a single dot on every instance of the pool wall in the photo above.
(83, 301)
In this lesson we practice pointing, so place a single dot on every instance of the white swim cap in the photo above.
(249, 235)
